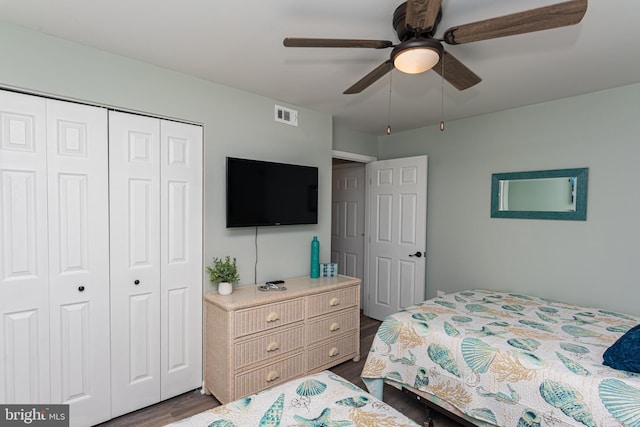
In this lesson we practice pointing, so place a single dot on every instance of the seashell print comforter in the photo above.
(506, 359)
(323, 399)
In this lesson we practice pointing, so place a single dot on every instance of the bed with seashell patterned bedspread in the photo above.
(322, 399)
(497, 358)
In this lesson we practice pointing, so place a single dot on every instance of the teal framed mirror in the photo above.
(546, 194)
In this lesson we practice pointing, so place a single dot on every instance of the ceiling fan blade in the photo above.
(307, 42)
(543, 18)
(370, 78)
(422, 14)
(456, 73)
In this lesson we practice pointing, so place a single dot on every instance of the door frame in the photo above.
(364, 159)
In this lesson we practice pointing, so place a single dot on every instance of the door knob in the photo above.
(417, 254)
(136, 282)
(81, 288)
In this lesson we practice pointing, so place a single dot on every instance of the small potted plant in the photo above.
(224, 272)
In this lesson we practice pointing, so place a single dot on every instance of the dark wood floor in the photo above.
(194, 402)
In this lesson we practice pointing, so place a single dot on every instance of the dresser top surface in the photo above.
(250, 296)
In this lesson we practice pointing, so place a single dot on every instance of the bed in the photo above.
(322, 399)
(497, 358)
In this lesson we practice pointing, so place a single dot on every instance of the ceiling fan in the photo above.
(416, 22)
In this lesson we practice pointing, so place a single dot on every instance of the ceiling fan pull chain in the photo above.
(442, 98)
(389, 117)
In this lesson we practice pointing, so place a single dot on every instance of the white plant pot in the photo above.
(225, 288)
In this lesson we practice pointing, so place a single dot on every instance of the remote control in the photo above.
(274, 282)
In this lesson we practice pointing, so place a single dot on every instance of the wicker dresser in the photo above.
(255, 340)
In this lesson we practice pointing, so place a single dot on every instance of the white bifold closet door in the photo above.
(134, 160)
(180, 257)
(156, 259)
(24, 275)
(54, 277)
(79, 259)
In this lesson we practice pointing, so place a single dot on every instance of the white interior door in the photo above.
(347, 220)
(397, 234)
(24, 283)
(181, 261)
(134, 157)
(79, 260)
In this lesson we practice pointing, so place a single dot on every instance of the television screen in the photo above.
(263, 193)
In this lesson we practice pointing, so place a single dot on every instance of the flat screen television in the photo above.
(263, 193)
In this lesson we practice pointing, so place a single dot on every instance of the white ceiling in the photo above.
(239, 44)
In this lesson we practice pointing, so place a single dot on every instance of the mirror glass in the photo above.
(550, 194)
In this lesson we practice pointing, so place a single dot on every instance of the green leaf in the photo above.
(223, 270)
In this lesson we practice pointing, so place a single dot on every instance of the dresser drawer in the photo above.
(269, 375)
(262, 318)
(331, 351)
(332, 325)
(328, 302)
(258, 349)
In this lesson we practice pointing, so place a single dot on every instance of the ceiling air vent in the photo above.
(286, 115)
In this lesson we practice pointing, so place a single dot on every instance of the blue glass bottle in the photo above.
(315, 258)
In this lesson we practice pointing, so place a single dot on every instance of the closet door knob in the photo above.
(136, 282)
(81, 288)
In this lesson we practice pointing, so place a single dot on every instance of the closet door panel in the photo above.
(24, 283)
(181, 261)
(79, 259)
(134, 157)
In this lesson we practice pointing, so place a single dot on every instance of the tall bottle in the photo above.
(315, 258)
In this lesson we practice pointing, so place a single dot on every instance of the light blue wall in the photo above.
(235, 123)
(595, 262)
(351, 141)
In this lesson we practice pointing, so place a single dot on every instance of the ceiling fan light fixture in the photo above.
(416, 56)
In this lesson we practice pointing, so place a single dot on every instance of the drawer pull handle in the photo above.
(273, 346)
(272, 317)
(334, 327)
(334, 352)
(272, 376)
(334, 301)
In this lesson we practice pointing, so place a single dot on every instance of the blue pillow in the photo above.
(624, 354)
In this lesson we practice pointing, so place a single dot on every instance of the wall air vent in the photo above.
(286, 115)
